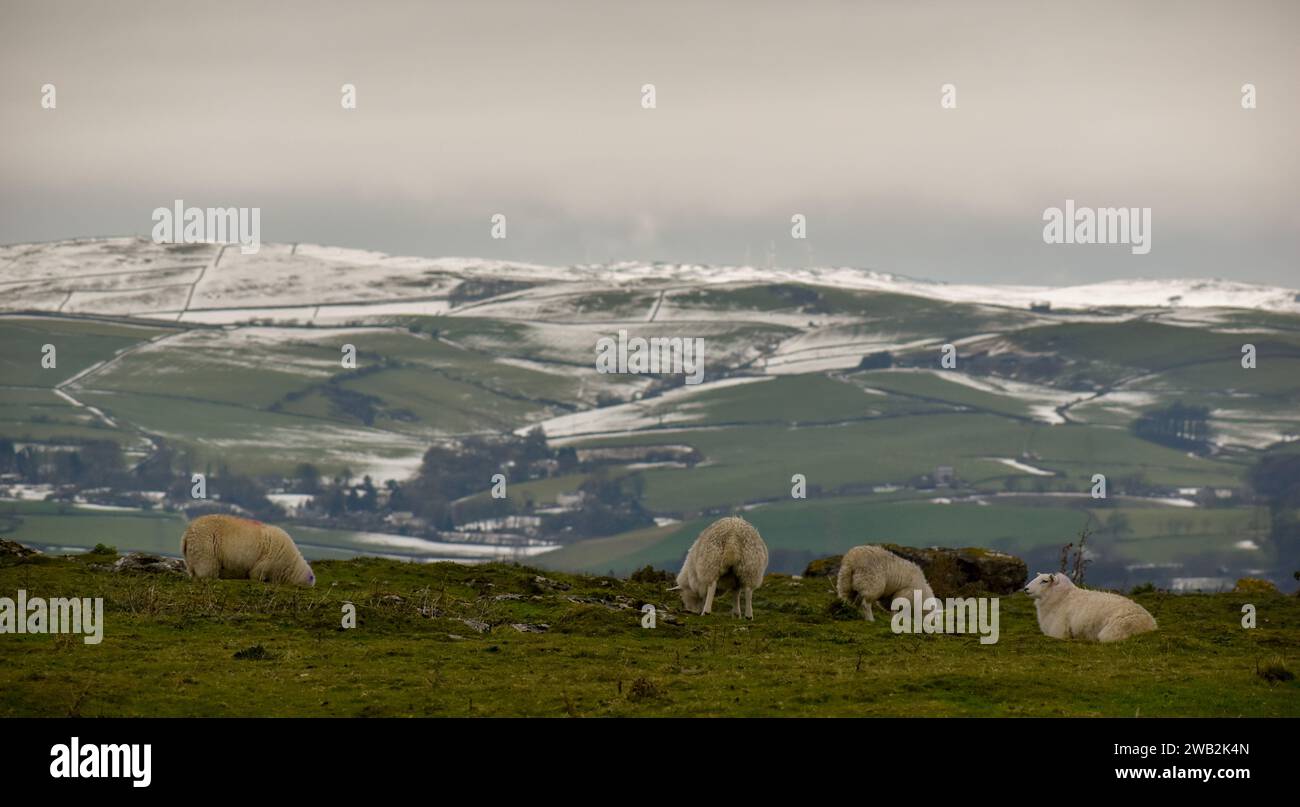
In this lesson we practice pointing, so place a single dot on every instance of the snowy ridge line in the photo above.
(364, 266)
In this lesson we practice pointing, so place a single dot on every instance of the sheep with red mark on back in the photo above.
(232, 547)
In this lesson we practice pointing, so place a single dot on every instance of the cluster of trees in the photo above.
(451, 472)
(1178, 425)
(338, 498)
(610, 505)
(1276, 479)
(95, 463)
(101, 464)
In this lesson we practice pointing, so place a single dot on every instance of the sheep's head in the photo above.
(303, 575)
(1045, 582)
(690, 600)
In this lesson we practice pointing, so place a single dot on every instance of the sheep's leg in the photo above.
(260, 571)
(749, 603)
(708, 598)
(870, 586)
(735, 610)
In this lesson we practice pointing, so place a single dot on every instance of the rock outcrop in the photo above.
(950, 572)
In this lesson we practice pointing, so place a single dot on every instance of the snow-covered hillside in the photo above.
(205, 283)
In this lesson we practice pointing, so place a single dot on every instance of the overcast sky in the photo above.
(533, 109)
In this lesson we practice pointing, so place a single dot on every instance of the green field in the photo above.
(78, 344)
(804, 530)
(172, 647)
(752, 463)
(1140, 345)
(56, 527)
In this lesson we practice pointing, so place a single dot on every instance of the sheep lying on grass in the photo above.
(1068, 612)
(870, 573)
(232, 547)
(730, 550)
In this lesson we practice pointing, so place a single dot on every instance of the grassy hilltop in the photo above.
(440, 639)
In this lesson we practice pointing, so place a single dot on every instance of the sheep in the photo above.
(729, 550)
(1068, 612)
(871, 573)
(233, 547)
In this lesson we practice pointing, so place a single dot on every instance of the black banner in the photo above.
(137, 757)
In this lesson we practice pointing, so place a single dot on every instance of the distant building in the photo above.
(1040, 306)
(569, 499)
(405, 518)
(944, 476)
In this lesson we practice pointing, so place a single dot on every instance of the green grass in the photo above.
(797, 531)
(1272, 384)
(928, 386)
(818, 527)
(77, 344)
(541, 492)
(1139, 345)
(615, 553)
(59, 526)
(750, 463)
(789, 400)
(173, 646)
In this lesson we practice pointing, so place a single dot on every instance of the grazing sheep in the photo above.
(232, 547)
(871, 573)
(1068, 612)
(730, 550)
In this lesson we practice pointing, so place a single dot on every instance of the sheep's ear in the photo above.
(1051, 579)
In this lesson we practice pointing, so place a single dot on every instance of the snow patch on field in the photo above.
(25, 493)
(1122, 400)
(367, 452)
(112, 508)
(538, 366)
(1022, 466)
(1042, 401)
(673, 406)
(93, 410)
(290, 501)
(1171, 501)
(1249, 429)
(834, 349)
(452, 550)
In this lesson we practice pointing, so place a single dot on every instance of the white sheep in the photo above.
(1066, 611)
(871, 573)
(233, 547)
(731, 551)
